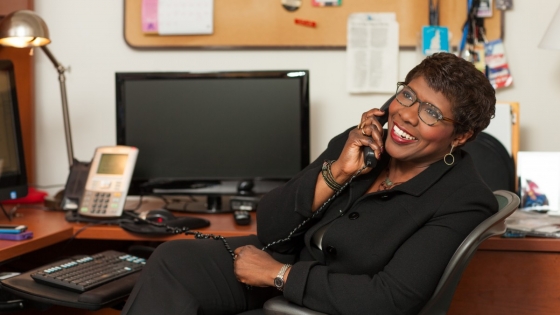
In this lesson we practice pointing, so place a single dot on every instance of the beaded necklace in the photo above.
(387, 183)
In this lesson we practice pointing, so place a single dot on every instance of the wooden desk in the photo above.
(220, 224)
(511, 277)
(48, 229)
(506, 276)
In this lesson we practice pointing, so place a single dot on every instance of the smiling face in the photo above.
(410, 139)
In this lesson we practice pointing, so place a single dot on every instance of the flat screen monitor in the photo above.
(13, 176)
(194, 129)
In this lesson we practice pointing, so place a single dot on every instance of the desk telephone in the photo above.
(369, 156)
(108, 180)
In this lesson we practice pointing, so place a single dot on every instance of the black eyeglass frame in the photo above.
(399, 84)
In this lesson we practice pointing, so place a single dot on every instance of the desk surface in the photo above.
(220, 224)
(50, 227)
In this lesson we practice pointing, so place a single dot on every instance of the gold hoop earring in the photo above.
(449, 155)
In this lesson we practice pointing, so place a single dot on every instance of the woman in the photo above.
(385, 235)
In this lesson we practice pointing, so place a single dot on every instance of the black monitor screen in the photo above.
(215, 126)
(13, 176)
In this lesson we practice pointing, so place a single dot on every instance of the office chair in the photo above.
(493, 162)
(441, 299)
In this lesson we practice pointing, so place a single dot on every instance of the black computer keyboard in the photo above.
(82, 273)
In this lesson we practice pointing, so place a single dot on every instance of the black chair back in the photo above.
(493, 162)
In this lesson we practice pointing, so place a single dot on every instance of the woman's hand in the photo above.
(351, 159)
(370, 125)
(369, 133)
(255, 267)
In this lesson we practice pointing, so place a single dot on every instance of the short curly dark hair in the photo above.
(471, 95)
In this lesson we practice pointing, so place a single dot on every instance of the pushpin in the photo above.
(306, 22)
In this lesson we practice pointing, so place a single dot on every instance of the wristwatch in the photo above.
(279, 280)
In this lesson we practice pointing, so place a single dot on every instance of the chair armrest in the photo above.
(280, 306)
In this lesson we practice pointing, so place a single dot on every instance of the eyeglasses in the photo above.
(427, 112)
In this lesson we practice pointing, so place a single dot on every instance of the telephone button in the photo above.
(105, 184)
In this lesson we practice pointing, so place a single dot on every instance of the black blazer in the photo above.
(383, 252)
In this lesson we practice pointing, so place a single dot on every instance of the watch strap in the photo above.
(279, 280)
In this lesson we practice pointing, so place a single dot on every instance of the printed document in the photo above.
(372, 52)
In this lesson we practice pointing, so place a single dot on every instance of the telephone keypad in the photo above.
(100, 202)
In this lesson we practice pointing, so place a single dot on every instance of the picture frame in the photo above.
(538, 174)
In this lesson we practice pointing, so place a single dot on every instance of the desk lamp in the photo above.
(25, 29)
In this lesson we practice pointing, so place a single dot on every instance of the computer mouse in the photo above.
(158, 215)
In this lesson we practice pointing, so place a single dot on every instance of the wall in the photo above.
(87, 35)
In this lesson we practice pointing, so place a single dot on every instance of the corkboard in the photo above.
(266, 24)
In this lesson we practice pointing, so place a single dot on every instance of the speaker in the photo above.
(247, 203)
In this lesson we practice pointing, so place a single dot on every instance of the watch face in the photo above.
(278, 282)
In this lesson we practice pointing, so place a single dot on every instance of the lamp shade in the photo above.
(22, 29)
(551, 39)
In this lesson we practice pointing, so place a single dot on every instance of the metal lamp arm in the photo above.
(62, 80)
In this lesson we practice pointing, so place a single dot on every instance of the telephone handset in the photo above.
(369, 156)
(108, 181)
